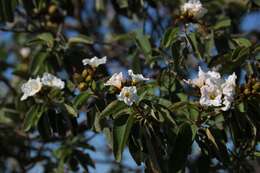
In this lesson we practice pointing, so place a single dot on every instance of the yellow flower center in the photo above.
(126, 94)
(212, 96)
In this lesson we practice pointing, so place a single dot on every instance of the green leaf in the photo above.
(257, 154)
(56, 95)
(170, 37)
(257, 2)
(62, 153)
(182, 96)
(224, 23)
(44, 38)
(177, 105)
(121, 132)
(33, 115)
(71, 110)
(242, 42)
(82, 39)
(112, 108)
(122, 3)
(194, 43)
(7, 10)
(167, 115)
(100, 5)
(81, 99)
(37, 64)
(126, 111)
(211, 138)
(84, 159)
(182, 147)
(241, 107)
(143, 42)
(231, 60)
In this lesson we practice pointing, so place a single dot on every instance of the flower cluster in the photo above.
(33, 86)
(128, 94)
(215, 91)
(194, 9)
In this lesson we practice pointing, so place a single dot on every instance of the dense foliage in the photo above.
(171, 118)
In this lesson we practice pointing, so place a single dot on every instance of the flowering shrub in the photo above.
(177, 84)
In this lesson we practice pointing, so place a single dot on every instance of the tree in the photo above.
(140, 94)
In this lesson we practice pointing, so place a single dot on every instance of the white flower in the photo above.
(200, 80)
(227, 103)
(128, 95)
(211, 95)
(228, 89)
(30, 88)
(115, 80)
(194, 8)
(95, 61)
(215, 91)
(52, 81)
(25, 52)
(205, 78)
(229, 86)
(137, 77)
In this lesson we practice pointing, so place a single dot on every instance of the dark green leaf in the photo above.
(143, 42)
(182, 148)
(37, 64)
(33, 115)
(170, 37)
(81, 99)
(257, 2)
(112, 108)
(121, 131)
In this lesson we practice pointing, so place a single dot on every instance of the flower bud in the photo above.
(52, 9)
(85, 73)
(82, 86)
(77, 77)
(256, 86)
(88, 78)
(247, 91)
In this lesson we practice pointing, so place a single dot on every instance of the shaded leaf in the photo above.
(33, 115)
(112, 108)
(83, 39)
(81, 99)
(121, 131)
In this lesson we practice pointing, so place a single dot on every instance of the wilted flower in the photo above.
(193, 8)
(25, 52)
(137, 77)
(30, 88)
(52, 81)
(95, 61)
(128, 95)
(115, 80)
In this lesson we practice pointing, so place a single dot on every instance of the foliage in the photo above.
(166, 129)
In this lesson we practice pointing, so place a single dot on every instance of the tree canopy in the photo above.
(174, 81)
